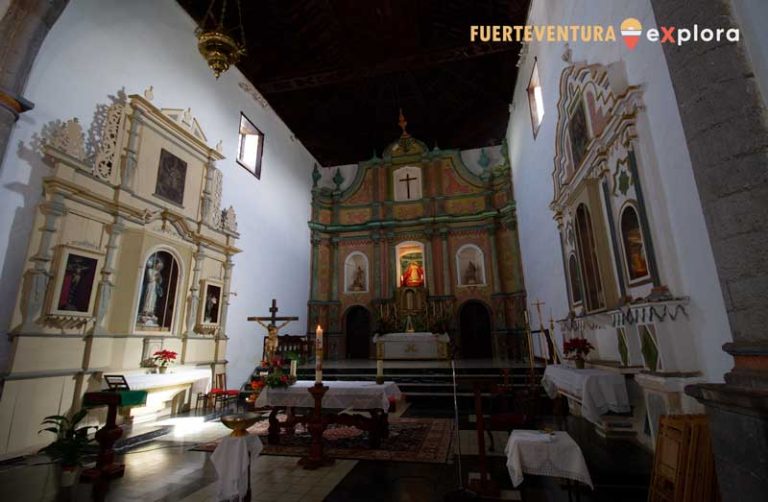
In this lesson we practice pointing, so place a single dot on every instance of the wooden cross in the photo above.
(538, 304)
(407, 180)
(273, 317)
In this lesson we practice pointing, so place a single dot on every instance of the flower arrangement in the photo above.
(270, 374)
(579, 348)
(163, 358)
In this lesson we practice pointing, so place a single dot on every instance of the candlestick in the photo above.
(294, 367)
(379, 371)
(319, 354)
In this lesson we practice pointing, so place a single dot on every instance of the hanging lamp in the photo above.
(216, 43)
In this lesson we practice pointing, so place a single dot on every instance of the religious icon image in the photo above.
(77, 284)
(211, 304)
(413, 270)
(271, 341)
(156, 303)
(356, 273)
(633, 244)
(171, 174)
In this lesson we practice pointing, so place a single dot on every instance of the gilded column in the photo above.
(430, 269)
(446, 262)
(494, 259)
(37, 278)
(392, 275)
(106, 285)
(376, 237)
(315, 239)
(194, 292)
(334, 269)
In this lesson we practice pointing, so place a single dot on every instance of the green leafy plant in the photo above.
(72, 445)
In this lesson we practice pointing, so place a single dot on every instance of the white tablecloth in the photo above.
(600, 391)
(542, 454)
(422, 345)
(340, 395)
(231, 462)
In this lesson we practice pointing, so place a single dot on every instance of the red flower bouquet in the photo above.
(578, 348)
(164, 357)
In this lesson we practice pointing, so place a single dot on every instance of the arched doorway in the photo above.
(475, 334)
(358, 329)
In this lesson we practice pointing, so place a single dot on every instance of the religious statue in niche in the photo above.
(158, 291)
(211, 303)
(633, 244)
(470, 266)
(356, 273)
(171, 175)
(75, 284)
(413, 270)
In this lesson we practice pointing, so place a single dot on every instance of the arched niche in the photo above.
(411, 266)
(470, 266)
(356, 273)
(634, 247)
(158, 301)
(575, 280)
(587, 248)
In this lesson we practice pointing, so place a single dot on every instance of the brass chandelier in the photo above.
(216, 43)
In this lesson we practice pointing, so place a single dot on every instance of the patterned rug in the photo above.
(426, 440)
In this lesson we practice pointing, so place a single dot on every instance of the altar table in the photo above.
(341, 395)
(599, 391)
(422, 345)
(553, 454)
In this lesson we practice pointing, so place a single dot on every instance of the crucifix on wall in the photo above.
(408, 183)
(272, 328)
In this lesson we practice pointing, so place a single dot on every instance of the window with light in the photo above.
(250, 146)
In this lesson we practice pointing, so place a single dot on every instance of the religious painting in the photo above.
(579, 134)
(410, 264)
(211, 303)
(470, 266)
(406, 183)
(171, 175)
(157, 299)
(75, 283)
(634, 250)
(356, 273)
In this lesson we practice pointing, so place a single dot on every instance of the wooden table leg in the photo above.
(273, 435)
(106, 469)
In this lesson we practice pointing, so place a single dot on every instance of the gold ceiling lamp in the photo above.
(216, 43)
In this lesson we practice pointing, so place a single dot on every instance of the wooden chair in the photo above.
(220, 394)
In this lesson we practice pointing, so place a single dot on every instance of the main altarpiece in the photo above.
(420, 242)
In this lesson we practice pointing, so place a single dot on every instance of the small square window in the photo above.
(535, 99)
(250, 145)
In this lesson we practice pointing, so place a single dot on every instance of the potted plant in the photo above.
(578, 349)
(72, 445)
(163, 358)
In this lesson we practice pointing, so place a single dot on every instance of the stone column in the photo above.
(228, 266)
(131, 159)
(430, 270)
(105, 285)
(22, 31)
(315, 239)
(394, 280)
(36, 279)
(446, 262)
(194, 292)
(726, 129)
(494, 259)
(334, 269)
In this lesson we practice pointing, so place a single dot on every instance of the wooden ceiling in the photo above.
(337, 71)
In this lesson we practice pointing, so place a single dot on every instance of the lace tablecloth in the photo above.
(340, 395)
(538, 453)
(231, 460)
(600, 391)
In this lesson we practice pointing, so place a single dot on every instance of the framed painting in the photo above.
(171, 176)
(210, 311)
(74, 292)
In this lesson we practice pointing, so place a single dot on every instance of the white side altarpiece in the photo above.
(130, 248)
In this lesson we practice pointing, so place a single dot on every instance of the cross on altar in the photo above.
(407, 180)
(272, 328)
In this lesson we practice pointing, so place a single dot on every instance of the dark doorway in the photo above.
(358, 328)
(475, 335)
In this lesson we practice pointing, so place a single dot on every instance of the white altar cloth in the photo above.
(232, 462)
(144, 381)
(600, 391)
(542, 454)
(340, 395)
(421, 345)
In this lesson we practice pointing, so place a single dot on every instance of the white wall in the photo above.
(681, 239)
(100, 46)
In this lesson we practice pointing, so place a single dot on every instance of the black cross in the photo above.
(407, 181)
(273, 317)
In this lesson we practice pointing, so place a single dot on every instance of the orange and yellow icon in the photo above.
(631, 29)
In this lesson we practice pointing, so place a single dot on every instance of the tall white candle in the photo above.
(294, 367)
(319, 354)
(380, 368)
